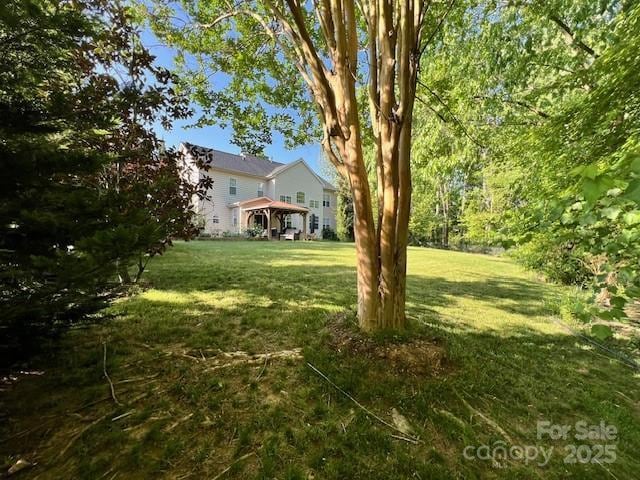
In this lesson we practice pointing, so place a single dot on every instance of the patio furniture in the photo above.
(290, 234)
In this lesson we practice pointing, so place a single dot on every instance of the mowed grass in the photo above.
(508, 366)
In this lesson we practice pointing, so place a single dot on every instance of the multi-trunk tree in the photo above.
(332, 61)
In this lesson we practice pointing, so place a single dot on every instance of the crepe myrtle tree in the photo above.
(330, 61)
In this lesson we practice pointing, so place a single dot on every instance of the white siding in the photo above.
(299, 178)
(220, 200)
(270, 188)
(330, 211)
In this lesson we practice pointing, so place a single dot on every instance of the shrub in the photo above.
(329, 234)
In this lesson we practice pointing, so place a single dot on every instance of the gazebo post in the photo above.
(304, 226)
(268, 223)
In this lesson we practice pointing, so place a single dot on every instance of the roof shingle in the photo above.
(248, 164)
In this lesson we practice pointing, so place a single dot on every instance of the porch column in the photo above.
(304, 226)
(268, 223)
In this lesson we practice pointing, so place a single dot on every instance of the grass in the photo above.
(509, 365)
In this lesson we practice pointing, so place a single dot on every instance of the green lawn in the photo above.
(508, 365)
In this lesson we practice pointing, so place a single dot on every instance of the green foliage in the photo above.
(601, 332)
(86, 191)
(236, 71)
(537, 105)
(51, 274)
(329, 234)
(344, 212)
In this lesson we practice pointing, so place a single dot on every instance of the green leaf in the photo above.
(633, 191)
(632, 217)
(566, 218)
(601, 332)
(618, 302)
(611, 212)
(590, 171)
(593, 189)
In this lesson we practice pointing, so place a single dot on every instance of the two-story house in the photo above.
(250, 191)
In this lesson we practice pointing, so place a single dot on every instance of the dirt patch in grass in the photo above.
(419, 357)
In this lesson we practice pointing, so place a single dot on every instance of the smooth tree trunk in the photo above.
(393, 31)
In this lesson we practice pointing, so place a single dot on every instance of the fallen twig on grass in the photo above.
(266, 359)
(178, 422)
(612, 353)
(81, 432)
(243, 457)
(130, 412)
(363, 408)
(487, 420)
(104, 370)
(231, 359)
(136, 379)
(406, 439)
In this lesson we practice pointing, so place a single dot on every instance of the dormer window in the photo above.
(300, 197)
(233, 188)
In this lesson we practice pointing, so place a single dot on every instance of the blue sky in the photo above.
(219, 138)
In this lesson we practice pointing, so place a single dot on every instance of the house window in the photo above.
(287, 221)
(235, 219)
(314, 204)
(300, 197)
(326, 200)
(326, 223)
(232, 186)
(261, 189)
(313, 223)
(215, 219)
(285, 198)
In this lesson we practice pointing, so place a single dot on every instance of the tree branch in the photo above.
(455, 118)
(520, 103)
(437, 113)
(571, 37)
(438, 27)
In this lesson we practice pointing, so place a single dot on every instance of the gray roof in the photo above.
(249, 164)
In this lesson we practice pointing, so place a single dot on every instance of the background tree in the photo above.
(545, 88)
(66, 224)
(50, 211)
(344, 212)
(149, 196)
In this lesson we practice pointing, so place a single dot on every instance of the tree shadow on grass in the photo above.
(510, 365)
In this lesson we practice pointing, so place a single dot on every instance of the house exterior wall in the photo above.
(298, 178)
(329, 213)
(221, 198)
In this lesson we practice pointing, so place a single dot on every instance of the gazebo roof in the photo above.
(262, 203)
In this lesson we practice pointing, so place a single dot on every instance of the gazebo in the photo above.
(272, 209)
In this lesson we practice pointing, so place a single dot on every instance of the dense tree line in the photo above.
(528, 138)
